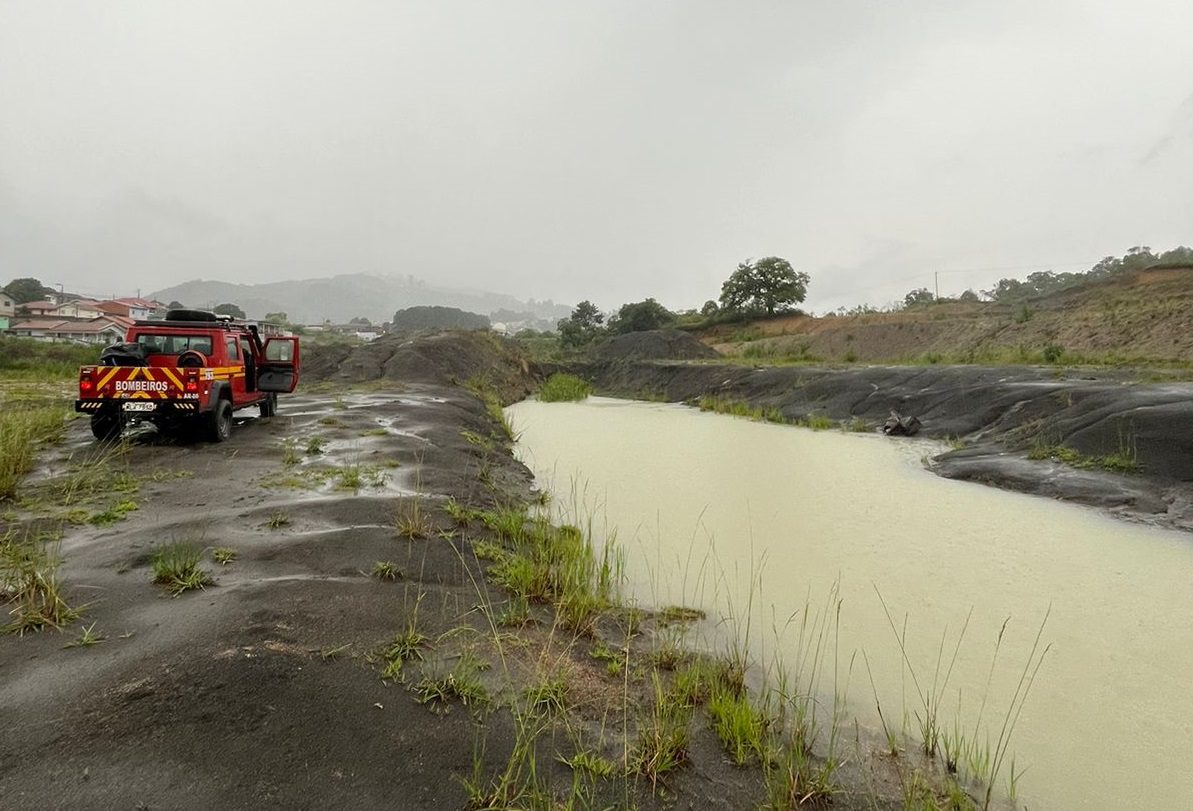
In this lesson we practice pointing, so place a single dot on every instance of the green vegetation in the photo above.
(35, 383)
(435, 317)
(561, 387)
(29, 584)
(462, 683)
(740, 727)
(582, 327)
(176, 566)
(640, 316)
(548, 695)
(117, 512)
(308, 477)
(981, 758)
(591, 764)
(290, 454)
(413, 520)
(386, 570)
(22, 431)
(857, 425)
(1124, 460)
(223, 555)
(485, 392)
(740, 408)
(277, 520)
(87, 637)
(769, 285)
(356, 476)
(664, 737)
(27, 358)
(560, 565)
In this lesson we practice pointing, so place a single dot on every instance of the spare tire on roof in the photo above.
(192, 315)
(123, 355)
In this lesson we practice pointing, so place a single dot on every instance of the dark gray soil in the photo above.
(439, 358)
(999, 413)
(227, 697)
(661, 344)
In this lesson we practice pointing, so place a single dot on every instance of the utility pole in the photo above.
(936, 276)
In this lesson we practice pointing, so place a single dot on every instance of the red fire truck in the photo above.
(187, 374)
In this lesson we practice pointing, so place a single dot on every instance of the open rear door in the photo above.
(279, 371)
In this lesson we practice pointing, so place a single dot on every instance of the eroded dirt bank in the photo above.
(997, 415)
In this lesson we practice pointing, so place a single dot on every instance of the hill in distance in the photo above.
(341, 298)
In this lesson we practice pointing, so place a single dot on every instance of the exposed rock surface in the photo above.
(659, 344)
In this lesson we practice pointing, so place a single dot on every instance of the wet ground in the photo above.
(256, 689)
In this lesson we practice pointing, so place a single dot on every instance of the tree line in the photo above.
(1047, 282)
(757, 288)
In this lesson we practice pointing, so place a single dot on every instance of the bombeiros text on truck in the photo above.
(186, 375)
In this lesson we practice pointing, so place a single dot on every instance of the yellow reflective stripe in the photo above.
(169, 373)
(103, 381)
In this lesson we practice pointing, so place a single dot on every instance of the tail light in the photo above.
(86, 384)
(191, 384)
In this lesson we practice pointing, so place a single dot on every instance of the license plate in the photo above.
(140, 406)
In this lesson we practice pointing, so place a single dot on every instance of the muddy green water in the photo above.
(705, 504)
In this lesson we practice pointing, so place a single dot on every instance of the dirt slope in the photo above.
(1143, 318)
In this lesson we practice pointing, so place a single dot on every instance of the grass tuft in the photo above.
(117, 512)
(387, 570)
(223, 555)
(663, 737)
(176, 566)
(413, 520)
(29, 583)
(461, 683)
(563, 387)
(739, 725)
(87, 638)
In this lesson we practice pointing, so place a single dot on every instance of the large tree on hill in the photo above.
(768, 285)
(25, 290)
(229, 309)
(641, 316)
(582, 326)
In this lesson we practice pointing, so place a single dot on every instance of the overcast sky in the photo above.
(604, 150)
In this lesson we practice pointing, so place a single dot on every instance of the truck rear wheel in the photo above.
(107, 425)
(219, 422)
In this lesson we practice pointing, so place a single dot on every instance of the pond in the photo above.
(775, 522)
